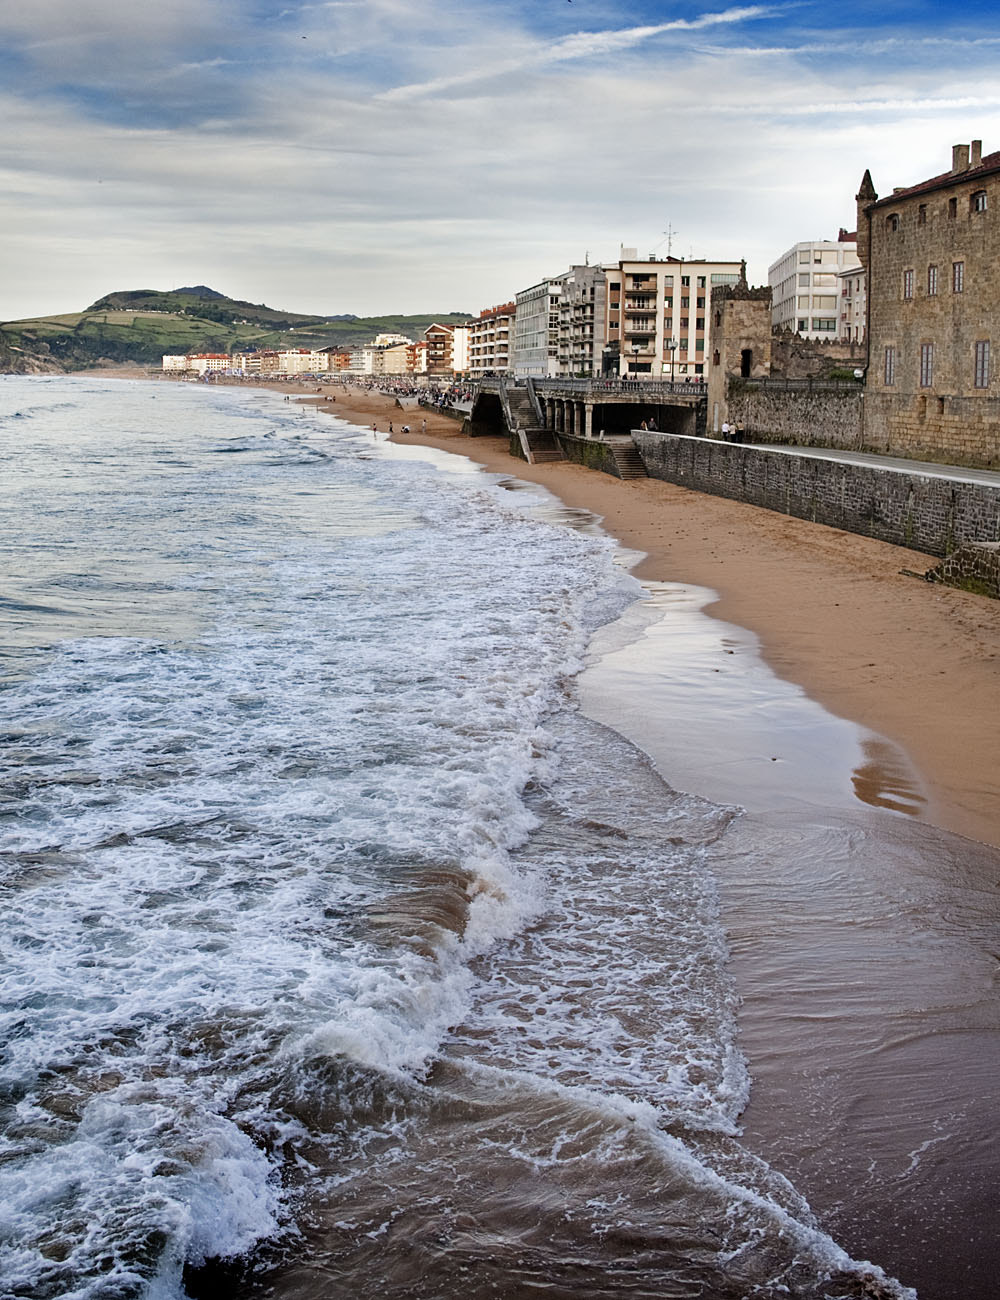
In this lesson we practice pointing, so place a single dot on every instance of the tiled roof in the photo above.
(987, 167)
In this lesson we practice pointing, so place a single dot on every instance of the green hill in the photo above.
(139, 326)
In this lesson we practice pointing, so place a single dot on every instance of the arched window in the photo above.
(892, 221)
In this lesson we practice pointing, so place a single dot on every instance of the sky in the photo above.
(376, 156)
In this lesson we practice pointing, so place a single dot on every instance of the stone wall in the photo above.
(928, 514)
(793, 357)
(973, 568)
(590, 452)
(953, 430)
(807, 415)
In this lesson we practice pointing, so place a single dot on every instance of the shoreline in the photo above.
(913, 662)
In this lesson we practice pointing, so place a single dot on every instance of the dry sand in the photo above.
(915, 662)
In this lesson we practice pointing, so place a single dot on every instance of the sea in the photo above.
(351, 947)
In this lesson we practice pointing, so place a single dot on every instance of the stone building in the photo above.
(932, 260)
(740, 340)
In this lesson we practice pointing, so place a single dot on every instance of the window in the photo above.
(978, 201)
(718, 319)
(926, 365)
(982, 379)
(922, 215)
(615, 286)
(800, 325)
(685, 302)
(716, 357)
(669, 302)
(890, 366)
(684, 322)
(685, 279)
(803, 257)
(953, 207)
(699, 322)
(700, 302)
(668, 282)
(701, 282)
(892, 221)
(957, 277)
(824, 326)
(907, 284)
(683, 345)
(804, 281)
(932, 281)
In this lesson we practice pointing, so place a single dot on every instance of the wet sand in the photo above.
(861, 936)
(911, 661)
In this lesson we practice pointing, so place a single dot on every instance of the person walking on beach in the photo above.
(390, 428)
(423, 426)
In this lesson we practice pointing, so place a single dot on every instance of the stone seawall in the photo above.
(820, 416)
(933, 515)
(591, 452)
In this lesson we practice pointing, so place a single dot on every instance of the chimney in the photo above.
(959, 158)
(977, 153)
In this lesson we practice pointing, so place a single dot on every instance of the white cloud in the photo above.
(311, 190)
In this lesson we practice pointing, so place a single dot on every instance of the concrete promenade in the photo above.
(897, 464)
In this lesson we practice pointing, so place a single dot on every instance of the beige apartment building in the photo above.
(657, 313)
(490, 339)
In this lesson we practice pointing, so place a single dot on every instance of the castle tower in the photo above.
(739, 343)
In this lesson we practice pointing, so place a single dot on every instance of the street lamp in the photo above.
(635, 360)
(672, 347)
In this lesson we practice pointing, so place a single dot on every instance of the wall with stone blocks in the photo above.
(928, 514)
(973, 568)
(590, 452)
(822, 417)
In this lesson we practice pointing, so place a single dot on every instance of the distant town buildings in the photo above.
(805, 288)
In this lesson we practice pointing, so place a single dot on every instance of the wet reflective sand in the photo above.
(864, 945)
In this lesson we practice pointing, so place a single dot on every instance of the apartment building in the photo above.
(440, 340)
(657, 313)
(931, 252)
(536, 330)
(853, 304)
(582, 321)
(805, 290)
(490, 336)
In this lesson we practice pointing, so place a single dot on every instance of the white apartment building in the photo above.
(536, 330)
(853, 304)
(459, 350)
(174, 362)
(805, 290)
(658, 313)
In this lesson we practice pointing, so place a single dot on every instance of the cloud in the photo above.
(332, 174)
(580, 45)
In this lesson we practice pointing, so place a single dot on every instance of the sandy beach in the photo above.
(912, 661)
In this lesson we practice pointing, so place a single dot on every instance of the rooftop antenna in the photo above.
(668, 235)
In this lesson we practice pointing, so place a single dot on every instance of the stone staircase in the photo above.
(523, 414)
(627, 460)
